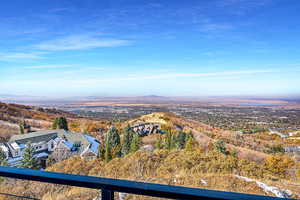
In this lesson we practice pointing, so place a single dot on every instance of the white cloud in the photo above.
(48, 66)
(17, 56)
(79, 42)
(68, 69)
(213, 74)
(174, 76)
(185, 83)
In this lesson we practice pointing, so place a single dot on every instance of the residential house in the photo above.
(60, 144)
(144, 129)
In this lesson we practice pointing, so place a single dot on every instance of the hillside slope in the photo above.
(41, 118)
(193, 169)
(246, 145)
(245, 167)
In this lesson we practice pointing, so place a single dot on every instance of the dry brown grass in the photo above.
(172, 167)
(39, 118)
(164, 167)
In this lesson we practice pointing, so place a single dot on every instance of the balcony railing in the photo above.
(109, 186)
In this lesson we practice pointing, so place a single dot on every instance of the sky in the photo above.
(63, 48)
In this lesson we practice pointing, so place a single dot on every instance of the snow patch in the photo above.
(267, 188)
(203, 182)
(122, 196)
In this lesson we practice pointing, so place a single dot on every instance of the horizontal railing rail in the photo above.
(108, 186)
(17, 196)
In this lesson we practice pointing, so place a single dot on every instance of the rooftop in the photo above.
(35, 137)
(47, 135)
(3, 148)
(15, 145)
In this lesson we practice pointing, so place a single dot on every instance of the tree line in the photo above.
(113, 146)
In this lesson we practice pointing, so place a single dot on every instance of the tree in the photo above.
(29, 161)
(21, 127)
(60, 123)
(181, 140)
(101, 151)
(135, 144)
(113, 137)
(3, 158)
(190, 134)
(220, 146)
(112, 144)
(189, 146)
(55, 124)
(127, 138)
(170, 141)
(24, 127)
(108, 154)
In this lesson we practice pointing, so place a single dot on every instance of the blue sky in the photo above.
(132, 47)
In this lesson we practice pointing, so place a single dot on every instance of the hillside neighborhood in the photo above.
(150, 146)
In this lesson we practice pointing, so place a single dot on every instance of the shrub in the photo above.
(189, 146)
(220, 146)
(276, 149)
(278, 165)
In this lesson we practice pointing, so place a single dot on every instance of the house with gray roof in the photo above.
(292, 149)
(146, 128)
(48, 142)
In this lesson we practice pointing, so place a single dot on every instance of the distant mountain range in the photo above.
(154, 99)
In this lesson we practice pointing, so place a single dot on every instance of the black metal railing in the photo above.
(109, 186)
(17, 196)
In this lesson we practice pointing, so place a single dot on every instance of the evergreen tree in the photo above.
(113, 137)
(63, 123)
(60, 123)
(190, 134)
(220, 146)
(135, 144)
(181, 140)
(112, 144)
(170, 141)
(127, 138)
(108, 154)
(28, 159)
(55, 123)
(189, 146)
(3, 159)
(22, 126)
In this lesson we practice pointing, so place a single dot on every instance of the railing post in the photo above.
(107, 194)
